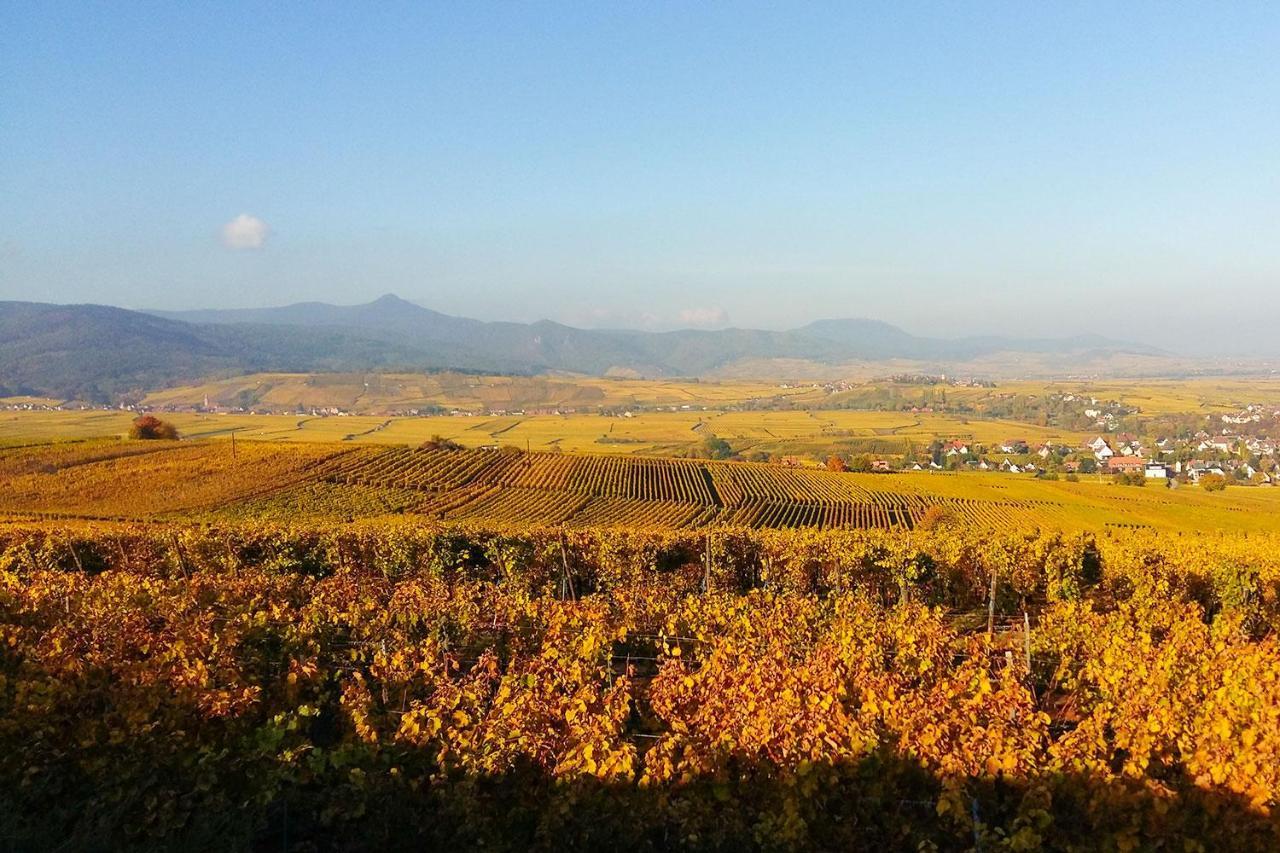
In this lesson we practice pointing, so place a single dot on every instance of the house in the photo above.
(1197, 468)
(1127, 464)
(880, 465)
(1101, 448)
(956, 448)
(1156, 471)
(1014, 445)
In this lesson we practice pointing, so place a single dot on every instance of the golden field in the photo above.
(378, 392)
(389, 393)
(644, 433)
(111, 478)
(666, 416)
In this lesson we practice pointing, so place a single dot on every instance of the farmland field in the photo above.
(646, 433)
(339, 481)
(321, 635)
(399, 392)
(670, 417)
(357, 642)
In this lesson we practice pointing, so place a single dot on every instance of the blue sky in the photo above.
(954, 168)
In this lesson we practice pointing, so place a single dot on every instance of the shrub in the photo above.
(716, 448)
(151, 428)
(1213, 482)
(936, 516)
(861, 463)
(438, 442)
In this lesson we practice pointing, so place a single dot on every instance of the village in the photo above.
(1228, 455)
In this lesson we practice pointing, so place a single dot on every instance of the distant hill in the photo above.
(96, 352)
(688, 352)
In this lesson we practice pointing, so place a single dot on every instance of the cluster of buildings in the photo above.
(1228, 454)
(1253, 458)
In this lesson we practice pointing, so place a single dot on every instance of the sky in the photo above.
(954, 168)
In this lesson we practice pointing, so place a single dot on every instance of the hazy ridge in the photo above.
(96, 352)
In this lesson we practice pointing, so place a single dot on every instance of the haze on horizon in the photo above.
(985, 169)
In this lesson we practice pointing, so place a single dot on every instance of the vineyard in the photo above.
(585, 491)
(113, 480)
(401, 686)
(547, 488)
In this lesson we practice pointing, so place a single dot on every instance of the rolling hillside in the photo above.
(99, 353)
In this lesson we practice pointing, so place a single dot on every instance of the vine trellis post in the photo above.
(991, 606)
(706, 566)
(566, 579)
(1026, 639)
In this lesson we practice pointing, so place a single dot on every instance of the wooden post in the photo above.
(706, 567)
(231, 552)
(991, 606)
(233, 444)
(566, 580)
(1026, 639)
(71, 546)
(182, 559)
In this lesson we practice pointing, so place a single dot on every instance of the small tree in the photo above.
(437, 442)
(860, 463)
(835, 463)
(151, 428)
(936, 516)
(1213, 482)
(716, 448)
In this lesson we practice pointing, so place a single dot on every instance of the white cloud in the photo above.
(703, 317)
(245, 232)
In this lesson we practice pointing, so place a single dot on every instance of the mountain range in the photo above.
(99, 353)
